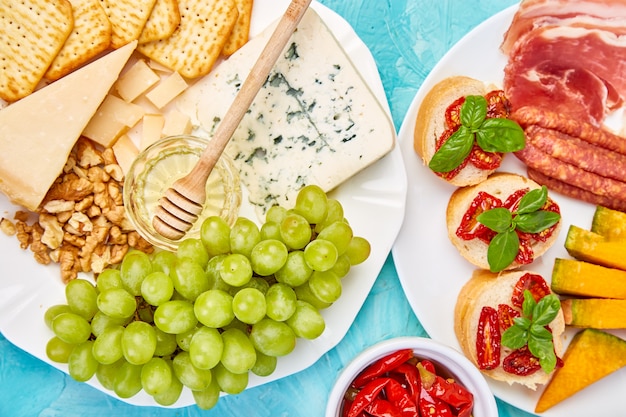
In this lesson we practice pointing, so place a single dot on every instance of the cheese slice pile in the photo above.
(37, 133)
(315, 121)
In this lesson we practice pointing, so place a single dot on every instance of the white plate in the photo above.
(431, 270)
(373, 201)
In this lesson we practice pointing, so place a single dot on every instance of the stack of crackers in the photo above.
(43, 40)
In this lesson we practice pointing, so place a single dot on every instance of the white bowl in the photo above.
(454, 362)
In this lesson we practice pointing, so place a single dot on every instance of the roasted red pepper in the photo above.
(382, 408)
(381, 366)
(411, 377)
(401, 399)
(367, 395)
(443, 397)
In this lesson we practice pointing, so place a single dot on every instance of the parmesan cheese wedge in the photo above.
(37, 133)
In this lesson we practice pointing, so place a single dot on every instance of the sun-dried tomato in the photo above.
(545, 234)
(497, 104)
(470, 228)
(521, 362)
(525, 254)
(483, 159)
(506, 315)
(453, 114)
(442, 139)
(534, 283)
(488, 340)
(512, 201)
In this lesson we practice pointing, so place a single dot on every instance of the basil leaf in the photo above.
(533, 200)
(537, 221)
(453, 151)
(514, 337)
(544, 350)
(548, 363)
(502, 250)
(498, 219)
(522, 322)
(546, 310)
(473, 111)
(500, 135)
(529, 304)
(540, 333)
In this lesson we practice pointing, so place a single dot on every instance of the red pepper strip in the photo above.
(367, 395)
(428, 365)
(346, 407)
(429, 404)
(433, 407)
(385, 364)
(454, 394)
(401, 399)
(382, 408)
(412, 379)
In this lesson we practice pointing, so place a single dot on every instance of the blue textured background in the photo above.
(407, 38)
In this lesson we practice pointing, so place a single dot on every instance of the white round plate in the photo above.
(431, 270)
(373, 201)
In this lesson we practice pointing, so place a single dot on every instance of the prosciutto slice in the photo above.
(568, 56)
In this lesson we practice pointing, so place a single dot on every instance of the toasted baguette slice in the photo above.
(500, 185)
(430, 123)
(487, 289)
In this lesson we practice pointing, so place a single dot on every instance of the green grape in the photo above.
(320, 255)
(71, 328)
(304, 293)
(106, 374)
(183, 340)
(191, 377)
(306, 322)
(208, 397)
(273, 338)
(157, 288)
(236, 324)
(101, 321)
(339, 234)
(189, 278)
(193, 249)
(268, 256)
(342, 266)
(270, 230)
(136, 265)
(312, 204)
(58, 350)
(163, 261)
(258, 283)
(214, 308)
(107, 348)
(295, 231)
(358, 250)
(236, 270)
(109, 278)
(128, 380)
(281, 301)
(238, 354)
(156, 376)
(54, 311)
(81, 297)
(206, 347)
(165, 343)
(326, 286)
(249, 305)
(296, 271)
(215, 235)
(213, 272)
(243, 236)
(81, 365)
(275, 214)
(229, 382)
(265, 365)
(334, 214)
(175, 316)
(138, 342)
(172, 393)
(117, 303)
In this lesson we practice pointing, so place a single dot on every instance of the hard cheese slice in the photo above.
(38, 132)
(315, 121)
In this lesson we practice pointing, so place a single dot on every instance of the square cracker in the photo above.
(240, 33)
(91, 35)
(196, 44)
(162, 22)
(128, 18)
(31, 34)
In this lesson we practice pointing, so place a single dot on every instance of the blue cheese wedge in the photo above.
(315, 120)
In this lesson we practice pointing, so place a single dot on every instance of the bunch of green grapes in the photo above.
(223, 305)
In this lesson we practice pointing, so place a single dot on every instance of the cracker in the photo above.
(240, 33)
(91, 35)
(197, 43)
(162, 22)
(31, 34)
(128, 18)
